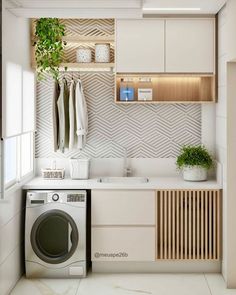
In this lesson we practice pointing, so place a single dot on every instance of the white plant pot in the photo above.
(194, 173)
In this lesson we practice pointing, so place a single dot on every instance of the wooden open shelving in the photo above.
(89, 39)
(87, 66)
(74, 40)
(169, 88)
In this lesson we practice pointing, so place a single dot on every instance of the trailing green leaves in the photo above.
(49, 46)
(195, 156)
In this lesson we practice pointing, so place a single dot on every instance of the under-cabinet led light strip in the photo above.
(171, 9)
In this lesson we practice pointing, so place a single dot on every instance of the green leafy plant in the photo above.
(49, 46)
(195, 156)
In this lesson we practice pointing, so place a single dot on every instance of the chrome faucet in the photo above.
(127, 169)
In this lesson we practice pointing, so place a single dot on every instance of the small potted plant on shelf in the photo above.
(194, 161)
(49, 46)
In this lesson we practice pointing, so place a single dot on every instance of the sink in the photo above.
(123, 180)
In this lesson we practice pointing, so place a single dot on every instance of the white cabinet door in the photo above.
(123, 244)
(140, 46)
(123, 207)
(190, 46)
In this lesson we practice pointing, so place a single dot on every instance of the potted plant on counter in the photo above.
(194, 161)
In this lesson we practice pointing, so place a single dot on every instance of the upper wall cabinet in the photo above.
(190, 45)
(140, 46)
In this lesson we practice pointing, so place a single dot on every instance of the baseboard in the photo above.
(157, 267)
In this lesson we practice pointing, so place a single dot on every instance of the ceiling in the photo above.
(110, 8)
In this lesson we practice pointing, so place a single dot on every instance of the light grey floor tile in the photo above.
(46, 287)
(217, 285)
(144, 284)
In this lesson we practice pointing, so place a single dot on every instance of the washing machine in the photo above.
(55, 234)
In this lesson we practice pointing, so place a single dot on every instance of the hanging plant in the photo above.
(49, 46)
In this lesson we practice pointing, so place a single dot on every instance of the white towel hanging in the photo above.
(81, 116)
(72, 115)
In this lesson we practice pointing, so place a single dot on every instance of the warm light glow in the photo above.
(171, 9)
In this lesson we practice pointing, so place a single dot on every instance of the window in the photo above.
(18, 124)
(26, 154)
(18, 158)
(13, 102)
(10, 161)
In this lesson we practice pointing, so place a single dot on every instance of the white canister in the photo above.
(102, 52)
(84, 55)
(79, 168)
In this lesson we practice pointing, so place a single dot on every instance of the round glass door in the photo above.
(54, 236)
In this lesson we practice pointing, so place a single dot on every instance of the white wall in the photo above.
(231, 173)
(221, 118)
(16, 49)
(226, 135)
(230, 184)
(11, 241)
(231, 25)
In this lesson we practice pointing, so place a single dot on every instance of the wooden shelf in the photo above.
(84, 66)
(163, 101)
(169, 88)
(89, 39)
(87, 66)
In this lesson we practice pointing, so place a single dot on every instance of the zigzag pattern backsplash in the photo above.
(146, 131)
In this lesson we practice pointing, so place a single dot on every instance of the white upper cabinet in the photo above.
(140, 46)
(190, 46)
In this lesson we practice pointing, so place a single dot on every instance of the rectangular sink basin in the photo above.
(123, 180)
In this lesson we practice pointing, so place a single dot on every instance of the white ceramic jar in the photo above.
(84, 55)
(102, 52)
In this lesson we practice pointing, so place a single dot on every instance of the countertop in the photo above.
(153, 184)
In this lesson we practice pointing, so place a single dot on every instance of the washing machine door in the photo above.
(54, 236)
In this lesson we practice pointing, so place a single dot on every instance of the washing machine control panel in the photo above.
(75, 198)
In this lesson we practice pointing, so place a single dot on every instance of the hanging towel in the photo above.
(81, 116)
(72, 116)
(63, 115)
(56, 91)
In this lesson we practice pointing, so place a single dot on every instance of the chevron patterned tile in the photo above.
(89, 27)
(146, 131)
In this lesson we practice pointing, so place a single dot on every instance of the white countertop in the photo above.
(154, 183)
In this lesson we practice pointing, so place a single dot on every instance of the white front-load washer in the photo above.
(55, 234)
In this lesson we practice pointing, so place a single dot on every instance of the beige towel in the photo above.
(56, 91)
(63, 114)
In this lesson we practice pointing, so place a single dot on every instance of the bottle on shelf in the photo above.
(126, 89)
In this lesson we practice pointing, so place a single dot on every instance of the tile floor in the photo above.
(127, 284)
